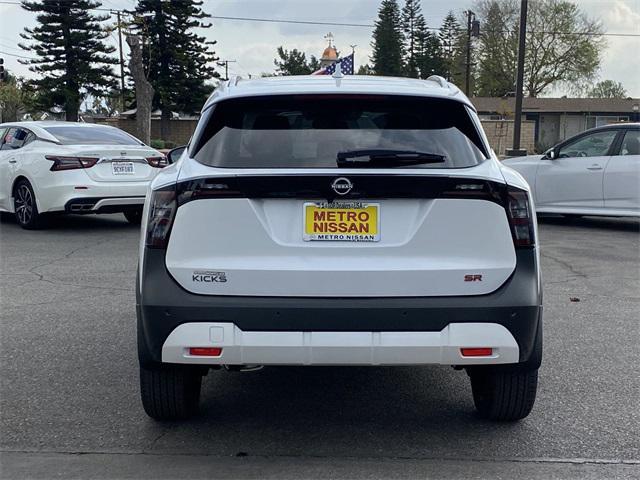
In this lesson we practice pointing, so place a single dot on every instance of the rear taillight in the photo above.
(70, 163)
(162, 211)
(520, 217)
(157, 162)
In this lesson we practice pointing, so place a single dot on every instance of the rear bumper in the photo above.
(340, 348)
(163, 306)
(74, 186)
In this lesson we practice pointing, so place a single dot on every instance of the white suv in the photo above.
(339, 221)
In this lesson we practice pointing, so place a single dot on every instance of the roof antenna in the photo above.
(337, 74)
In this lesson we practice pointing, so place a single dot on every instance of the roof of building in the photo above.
(330, 53)
(557, 105)
(327, 84)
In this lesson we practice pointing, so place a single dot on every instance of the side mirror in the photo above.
(174, 155)
(550, 154)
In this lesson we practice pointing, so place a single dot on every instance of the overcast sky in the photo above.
(253, 44)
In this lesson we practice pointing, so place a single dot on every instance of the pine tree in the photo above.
(179, 61)
(449, 35)
(497, 63)
(294, 62)
(413, 24)
(429, 59)
(459, 63)
(387, 40)
(71, 58)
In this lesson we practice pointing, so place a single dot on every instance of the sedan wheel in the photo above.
(25, 206)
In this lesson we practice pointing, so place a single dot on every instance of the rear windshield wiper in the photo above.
(386, 158)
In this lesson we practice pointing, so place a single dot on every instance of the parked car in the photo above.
(53, 167)
(339, 221)
(594, 173)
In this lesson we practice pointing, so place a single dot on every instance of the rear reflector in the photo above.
(205, 351)
(476, 352)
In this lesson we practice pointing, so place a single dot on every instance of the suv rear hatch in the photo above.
(339, 196)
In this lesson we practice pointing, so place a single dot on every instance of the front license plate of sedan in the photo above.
(122, 168)
(341, 222)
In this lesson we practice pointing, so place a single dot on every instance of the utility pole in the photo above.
(225, 64)
(516, 151)
(121, 62)
(473, 30)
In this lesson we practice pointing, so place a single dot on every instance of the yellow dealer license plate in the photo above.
(341, 221)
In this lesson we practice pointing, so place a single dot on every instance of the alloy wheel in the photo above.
(24, 204)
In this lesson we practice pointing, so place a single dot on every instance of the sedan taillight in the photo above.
(520, 217)
(158, 162)
(162, 211)
(70, 163)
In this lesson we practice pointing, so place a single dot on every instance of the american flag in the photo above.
(346, 67)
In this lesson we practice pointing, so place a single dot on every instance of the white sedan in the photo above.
(594, 173)
(48, 167)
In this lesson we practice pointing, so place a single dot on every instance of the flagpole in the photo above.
(353, 52)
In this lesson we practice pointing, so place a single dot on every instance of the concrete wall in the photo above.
(500, 135)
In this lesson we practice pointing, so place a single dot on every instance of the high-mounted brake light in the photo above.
(157, 162)
(70, 163)
(520, 217)
(162, 211)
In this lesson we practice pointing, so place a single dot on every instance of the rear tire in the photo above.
(25, 206)
(503, 394)
(134, 217)
(170, 392)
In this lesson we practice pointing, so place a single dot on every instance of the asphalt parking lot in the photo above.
(69, 398)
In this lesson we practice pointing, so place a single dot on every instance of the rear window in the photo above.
(93, 135)
(309, 131)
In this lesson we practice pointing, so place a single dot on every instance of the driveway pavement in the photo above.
(69, 395)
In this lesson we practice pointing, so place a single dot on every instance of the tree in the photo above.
(413, 24)
(608, 89)
(448, 36)
(177, 60)
(498, 50)
(295, 62)
(71, 59)
(459, 61)
(387, 40)
(144, 90)
(430, 60)
(14, 99)
(364, 70)
(564, 46)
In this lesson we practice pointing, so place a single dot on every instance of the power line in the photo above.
(19, 56)
(4, 45)
(367, 25)
(361, 25)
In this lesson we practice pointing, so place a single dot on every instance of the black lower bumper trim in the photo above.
(162, 305)
(84, 205)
